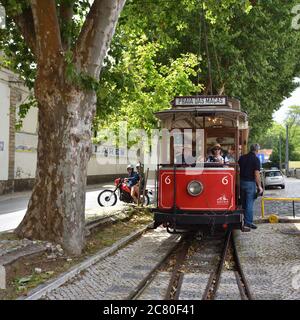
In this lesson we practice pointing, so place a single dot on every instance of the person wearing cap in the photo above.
(249, 179)
(216, 155)
(130, 170)
(132, 180)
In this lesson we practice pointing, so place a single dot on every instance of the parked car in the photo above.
(273, 178)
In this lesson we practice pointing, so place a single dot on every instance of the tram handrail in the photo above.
(277, 199)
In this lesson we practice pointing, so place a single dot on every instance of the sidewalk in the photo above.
(270, 259)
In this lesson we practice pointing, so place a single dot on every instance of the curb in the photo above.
(112, 217)
(52, 284)
(280, 220)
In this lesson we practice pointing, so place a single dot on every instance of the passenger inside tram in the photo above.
(231, 154)
(217, 155)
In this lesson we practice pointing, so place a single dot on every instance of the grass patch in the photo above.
(8, 236)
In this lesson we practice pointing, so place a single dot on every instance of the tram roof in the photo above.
(200, 111)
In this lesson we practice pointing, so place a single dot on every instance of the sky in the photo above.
(294, 99)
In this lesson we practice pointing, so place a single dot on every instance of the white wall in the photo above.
(25, 155)
(25, 165)
(4, 125)
(96, 168)
(29, 124)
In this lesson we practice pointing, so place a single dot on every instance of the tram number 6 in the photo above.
(225, 180)
(167, 180)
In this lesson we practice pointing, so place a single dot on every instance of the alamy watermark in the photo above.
(2, 17)
(152, 148)
(296, 18)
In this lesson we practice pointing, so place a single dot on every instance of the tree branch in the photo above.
(48, 38)
(25, 24)
(96, 34)
(65, 16)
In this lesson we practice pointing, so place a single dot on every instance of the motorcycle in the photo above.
(108, 198)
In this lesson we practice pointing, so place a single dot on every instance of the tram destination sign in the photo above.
(200, 101)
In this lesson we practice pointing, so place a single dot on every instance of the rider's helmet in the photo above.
(139, 165)
(130, 166)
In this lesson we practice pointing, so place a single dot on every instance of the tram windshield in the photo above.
(193, 147)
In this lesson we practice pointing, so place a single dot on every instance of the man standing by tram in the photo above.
(249, 179)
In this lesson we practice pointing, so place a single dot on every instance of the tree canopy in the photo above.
(252, 50)
(163, 48)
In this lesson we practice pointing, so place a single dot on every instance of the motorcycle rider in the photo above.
(132, 180)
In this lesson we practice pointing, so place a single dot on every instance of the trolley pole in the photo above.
(287, 151)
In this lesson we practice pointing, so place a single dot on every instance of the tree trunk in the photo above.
(56, 210)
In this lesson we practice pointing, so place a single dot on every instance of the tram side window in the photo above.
(178, 147)
(183, 149)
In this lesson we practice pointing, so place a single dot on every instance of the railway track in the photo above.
(197, 270)
(229, 255)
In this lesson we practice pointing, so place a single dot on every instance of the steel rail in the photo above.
(147, 280)
(214, 279)
(242, 284)
(174, 284)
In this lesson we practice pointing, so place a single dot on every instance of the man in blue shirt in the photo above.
(249, 178)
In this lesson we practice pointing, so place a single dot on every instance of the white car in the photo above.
(273, 178)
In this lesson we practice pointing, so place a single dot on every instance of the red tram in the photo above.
(191, 192)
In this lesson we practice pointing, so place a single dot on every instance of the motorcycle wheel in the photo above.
(107, 198)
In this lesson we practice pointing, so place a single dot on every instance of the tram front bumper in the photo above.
(199, 218)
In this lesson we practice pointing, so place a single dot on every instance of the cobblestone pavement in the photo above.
(194, 285)
(228, 288)
(270, 258)
(157, 288)
(198, 269)
(292, 189)
(117, 275)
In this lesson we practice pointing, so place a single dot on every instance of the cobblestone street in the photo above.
(292, 189)
(270, 259)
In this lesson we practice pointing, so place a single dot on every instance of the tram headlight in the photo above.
(195, 188)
